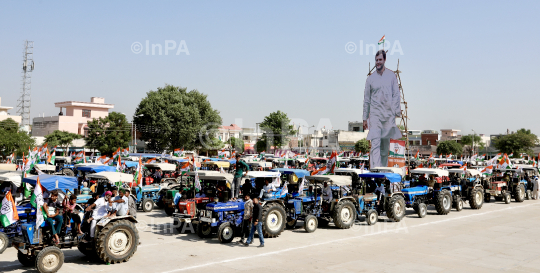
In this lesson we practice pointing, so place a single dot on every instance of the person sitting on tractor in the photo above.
(267, 189)
(70, 213)
(100, 211)
(380, 191)
(55, 218)
(327, 192)
(119, 204)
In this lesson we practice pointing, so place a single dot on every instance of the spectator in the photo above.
(132, 203)
(70, 213)
(248, 213)
(257, 224)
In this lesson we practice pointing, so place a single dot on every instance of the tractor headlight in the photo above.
(185, 211)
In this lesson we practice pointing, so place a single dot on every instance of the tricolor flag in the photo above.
(381, 41)
(37, 202)
(52, 156)
(138, 174)
(151, 160)
(417, 154)
(197, 181)
(332, 162)
(487, 170)
(301, 186)
(116, 154)
(322, 170)
(8, 213)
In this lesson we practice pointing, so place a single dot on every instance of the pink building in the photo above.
(73, 117)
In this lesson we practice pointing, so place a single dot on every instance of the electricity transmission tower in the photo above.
(23, 107)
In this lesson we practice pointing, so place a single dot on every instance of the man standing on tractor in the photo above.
(248, 214)
(257, 224)
(240, 167)
(381, 108)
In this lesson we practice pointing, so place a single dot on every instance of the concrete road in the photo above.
(498, 237)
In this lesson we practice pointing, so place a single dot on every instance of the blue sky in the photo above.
(465, 64)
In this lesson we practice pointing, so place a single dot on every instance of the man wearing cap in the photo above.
(240, 167)
(100, 211)
(381, 108)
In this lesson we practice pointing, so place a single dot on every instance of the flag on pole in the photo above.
(322, 170)
(8, 213)
(332, 162)
(487, 170)
(197, 181)
(37, 201)
(381, 41)
(302, 185)
(138, 174)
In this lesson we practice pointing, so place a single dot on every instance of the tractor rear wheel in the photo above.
(225, 233)
(49, 259)
(310, 223)
(443, 204)
(476, 200)
(458, 204)
(372, 217)
(26, 260)
(147, 205)
(273, 220)
(395, 208)
(344, 214)
(507, 198)
(4, 242)
(117, 242)
(519, 196)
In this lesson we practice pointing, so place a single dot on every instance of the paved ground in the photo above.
(498, 237)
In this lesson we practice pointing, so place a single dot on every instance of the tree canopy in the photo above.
(109, 133)
(63, 139)
(276, 129)
(467, 141)
(237, 144)
(449, 147)
(361, 146)
(13, 140)
(521, 141)
(171, 117)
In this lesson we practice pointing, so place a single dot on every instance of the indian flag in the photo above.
(488, 170)
(322, 170)
(52, 156)
(332, 162)
(149, 161)
(417, 154)
(37, 201)
(116, 154)
(8, 213)
(381, 41)
(138, 175)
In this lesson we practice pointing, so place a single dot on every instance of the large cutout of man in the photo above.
(381, 108)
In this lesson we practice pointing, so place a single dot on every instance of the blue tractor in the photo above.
(223, 218)
(116, 238)
(64, 165)
(430, 187)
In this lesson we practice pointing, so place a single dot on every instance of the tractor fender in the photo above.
(104, 221)
(279, 201)
(397, 193)
(345, 198)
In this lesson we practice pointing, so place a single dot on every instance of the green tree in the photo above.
(449, 147)
(109, 133)
(277, 129)
(14, 140)
(237, 144)
(260, 146)
(172, 118)
(467, 141)
(361, 146)
(522, 141)
(212, 145)
(62, 139)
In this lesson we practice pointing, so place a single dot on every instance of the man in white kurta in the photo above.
(381, 108)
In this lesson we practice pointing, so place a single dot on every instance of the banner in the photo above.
(396, 157)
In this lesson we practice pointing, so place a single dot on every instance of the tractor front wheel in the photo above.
(520, 193)
(147, 205)
(422, 210)
(507, 198)
(310, 224)
(225, 233)
(49, 259)
(458, 204)
(372, 217)
(204, 230)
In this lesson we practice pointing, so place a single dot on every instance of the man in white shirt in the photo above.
(120, 204)
(100, 211)
(267, 189)
(327, 192)
(381, 108)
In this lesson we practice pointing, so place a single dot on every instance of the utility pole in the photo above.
(23, 106)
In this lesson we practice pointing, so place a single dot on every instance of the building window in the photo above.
(356, 129)
(86, 113)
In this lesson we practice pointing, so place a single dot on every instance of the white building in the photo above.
(5, 115)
